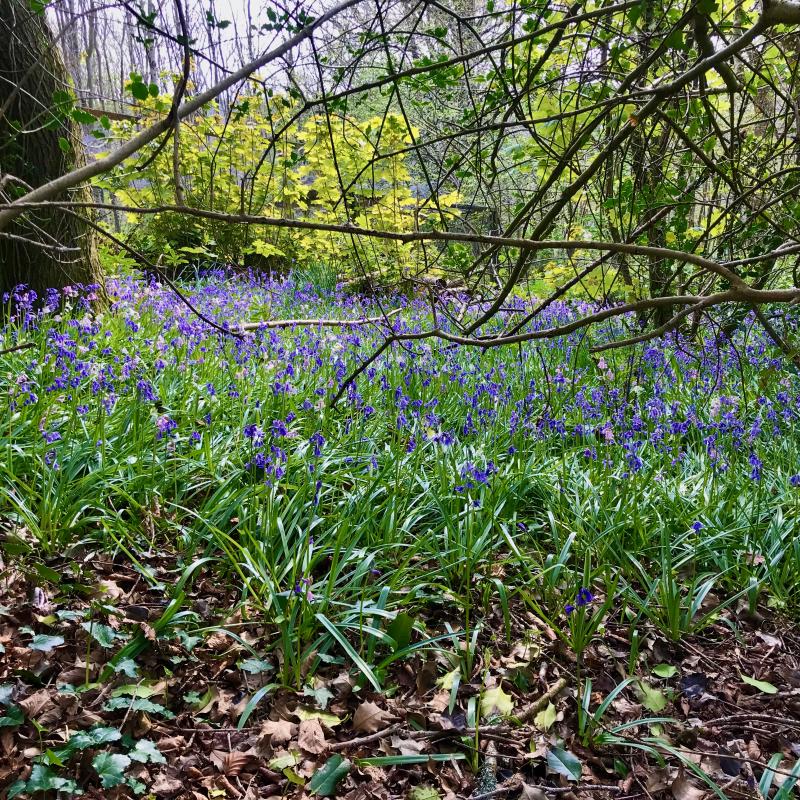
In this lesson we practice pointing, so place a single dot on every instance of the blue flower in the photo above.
(279, 427)
(584, 597)
(697, 526)
(317, 440)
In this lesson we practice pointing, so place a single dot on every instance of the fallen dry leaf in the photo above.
(230, 763)
(35, 704)
(532, 793)
(166, 786)
(683, 789)
(311, 737)
(370, 718)
(407, 747)
(278, 731)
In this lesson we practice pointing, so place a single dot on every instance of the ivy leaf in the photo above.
(104, 635)
(323, 781)
(45, 643)
(255, 666)
(127, 666)
(564, 763)
(93, 738)
(42, 779)
(14, 717)
(762, 686)
(321, 694)
(138, 704)
(146, 751)
(111, 768)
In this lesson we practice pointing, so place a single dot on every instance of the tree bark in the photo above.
(45, 248)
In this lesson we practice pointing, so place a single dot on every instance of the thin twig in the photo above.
(373, 737)
(540, 704)
(23, 346)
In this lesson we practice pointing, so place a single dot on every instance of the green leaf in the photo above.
(139, 90)
(84, 117)
(322, 695)
(328, 719)
(138, 704)
(45, 643)
(146, 751)
(14, 717)
(84, 740)
(762, 686)
(42, 779)
(153, 90)
(45, 572)
(111, 768)
(94, 737)
(495, 702)
(293, 777)
(127, 666)
(280, 763)
(564, 763)
(546, 717)
(352, 654)
(255, 666)
(422, 758)
(665, 670)
(143, 689)
(104, 635)
(423, 793)
(323, 781)
(651, 698)
(400, 630)
(64, 144)
(253, 702)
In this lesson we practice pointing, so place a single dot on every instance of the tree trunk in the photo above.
(45, 248)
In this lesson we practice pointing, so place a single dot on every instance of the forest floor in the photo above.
(718, 714)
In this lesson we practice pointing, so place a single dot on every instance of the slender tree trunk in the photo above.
(43, 248)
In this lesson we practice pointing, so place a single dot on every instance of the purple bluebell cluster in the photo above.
(148, 367)
(582, 599)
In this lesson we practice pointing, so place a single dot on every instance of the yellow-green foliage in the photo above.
(320, 169)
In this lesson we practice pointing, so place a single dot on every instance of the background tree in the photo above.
(39, 140)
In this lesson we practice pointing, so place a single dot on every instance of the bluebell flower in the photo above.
(279, 427)
(584, 597)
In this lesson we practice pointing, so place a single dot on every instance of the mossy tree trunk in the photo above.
(43, 248)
